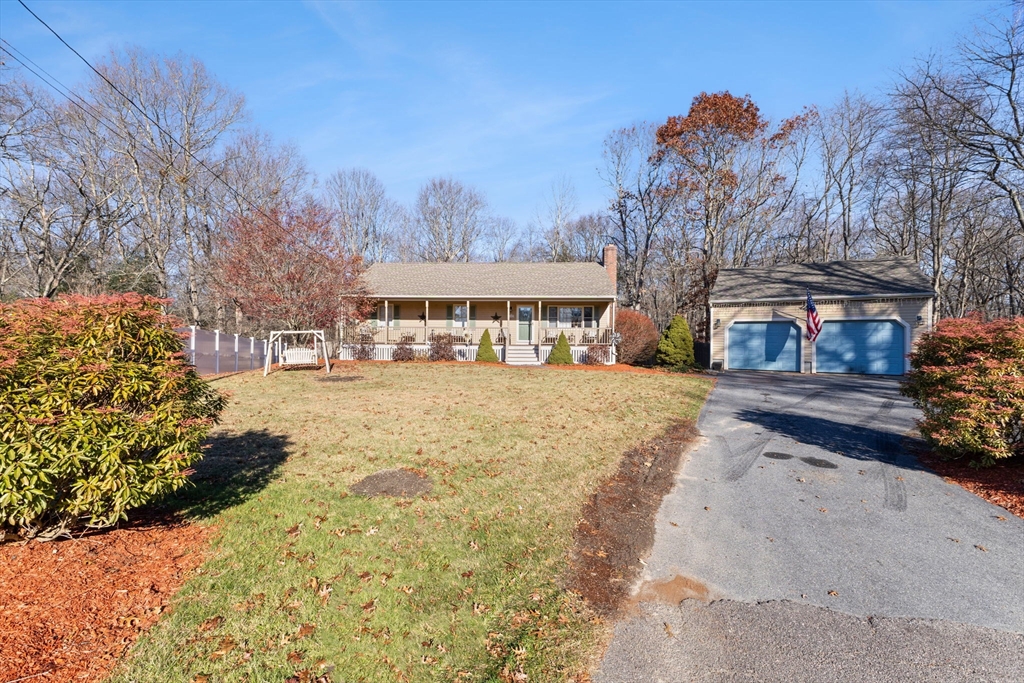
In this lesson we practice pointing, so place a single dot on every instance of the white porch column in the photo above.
(387, 323)
(426, 320)
(540, 316)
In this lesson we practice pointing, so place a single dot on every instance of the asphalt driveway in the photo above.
(818, 550)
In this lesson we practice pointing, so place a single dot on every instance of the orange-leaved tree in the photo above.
(727, 165)
(285, 266)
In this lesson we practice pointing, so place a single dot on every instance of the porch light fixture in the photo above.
(920, 320)
(718, 323)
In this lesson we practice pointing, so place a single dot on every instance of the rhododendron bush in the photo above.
(100, 411)
(968, 379)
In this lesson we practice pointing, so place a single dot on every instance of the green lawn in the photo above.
(460, 584)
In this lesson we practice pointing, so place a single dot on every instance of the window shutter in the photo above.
(472, 316)
(396, 314)
(450, 315)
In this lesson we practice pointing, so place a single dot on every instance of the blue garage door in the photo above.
(764, 346)
(865, 347)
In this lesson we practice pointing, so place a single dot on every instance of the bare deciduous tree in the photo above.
(368, 220)
(449, 220)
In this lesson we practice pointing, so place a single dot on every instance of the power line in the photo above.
(173, 139)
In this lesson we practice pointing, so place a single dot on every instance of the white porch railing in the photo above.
(576, 336)
(386, 352)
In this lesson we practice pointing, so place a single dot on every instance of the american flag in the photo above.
(813, 321)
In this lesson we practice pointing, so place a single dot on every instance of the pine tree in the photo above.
(675, 350)
(486, 354)
(561, 354)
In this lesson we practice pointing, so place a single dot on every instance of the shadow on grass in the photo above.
(861, 442)
(235, 468)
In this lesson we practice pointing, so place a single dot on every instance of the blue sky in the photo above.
(506, 97)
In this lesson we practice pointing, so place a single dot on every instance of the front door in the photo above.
(525, 324)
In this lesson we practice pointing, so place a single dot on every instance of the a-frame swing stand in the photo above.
(299, 356)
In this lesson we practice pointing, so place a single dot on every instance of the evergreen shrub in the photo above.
(100, 411)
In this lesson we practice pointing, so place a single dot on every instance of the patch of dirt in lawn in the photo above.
(398, 483)
(1001, 484)
(69, 609)
(617, 525)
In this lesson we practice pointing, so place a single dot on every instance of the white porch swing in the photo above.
(299, 356)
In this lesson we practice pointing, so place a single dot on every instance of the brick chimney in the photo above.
(610, 259)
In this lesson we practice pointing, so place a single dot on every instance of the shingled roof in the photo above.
(490, 280)
(876, 277)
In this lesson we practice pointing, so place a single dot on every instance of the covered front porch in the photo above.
(522, 332)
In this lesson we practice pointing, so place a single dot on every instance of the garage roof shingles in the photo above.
(498, 280)
(877, 277)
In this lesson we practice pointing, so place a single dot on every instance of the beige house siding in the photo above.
(914, 314)
(410, 310)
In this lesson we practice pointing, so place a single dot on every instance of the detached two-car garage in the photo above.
(872, 312)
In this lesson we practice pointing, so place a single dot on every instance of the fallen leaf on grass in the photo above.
(467, 575)
(294, 657)
(226, 645)
(305, 630)
(369, 607)
(295, 530)
(201, 678)
(211, 623)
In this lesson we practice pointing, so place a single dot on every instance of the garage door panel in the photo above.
(867, 347)
(764, 346)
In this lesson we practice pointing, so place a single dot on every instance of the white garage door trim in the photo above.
(896, 319)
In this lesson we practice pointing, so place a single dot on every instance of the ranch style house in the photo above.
(524, 306)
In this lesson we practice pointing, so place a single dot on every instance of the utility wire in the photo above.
(173, 139)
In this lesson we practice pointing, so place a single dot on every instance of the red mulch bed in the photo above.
(1001, 484)
(618, 367)
(72, 607)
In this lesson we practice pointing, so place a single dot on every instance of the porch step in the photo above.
(521, 355)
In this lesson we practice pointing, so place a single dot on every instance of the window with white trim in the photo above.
(570, 316)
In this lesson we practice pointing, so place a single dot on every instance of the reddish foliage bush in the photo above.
(597, 354)
(403, 352)
(968, 379)
(639, 337)
(365, 349)
(442, 347)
